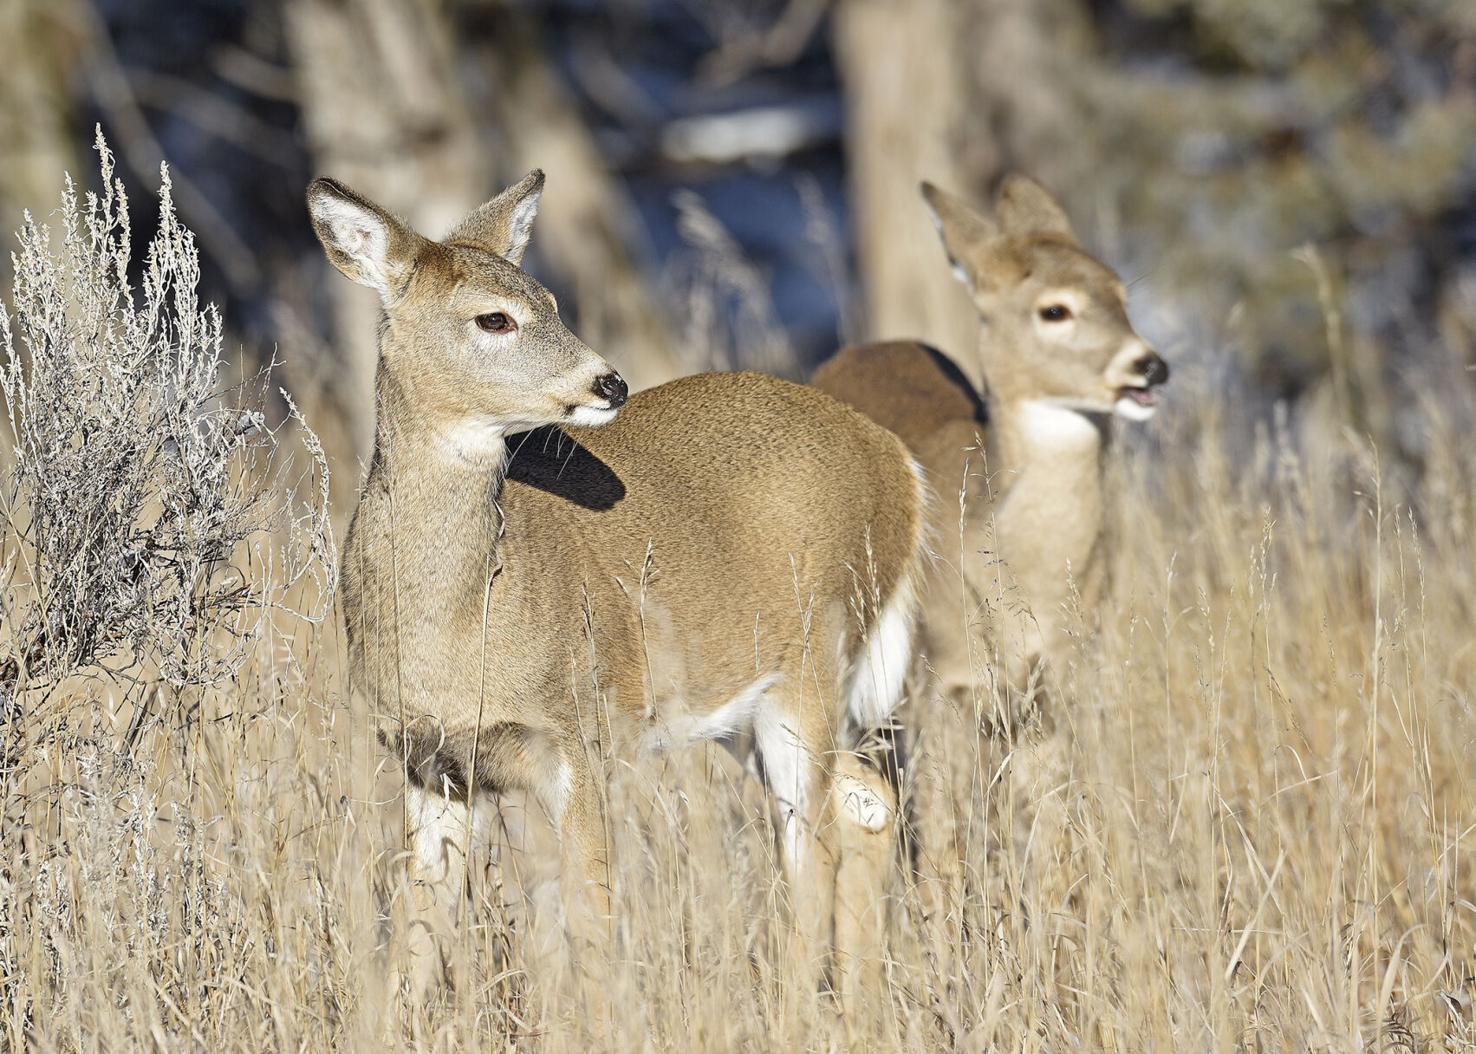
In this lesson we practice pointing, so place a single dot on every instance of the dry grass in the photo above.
(1266, 800)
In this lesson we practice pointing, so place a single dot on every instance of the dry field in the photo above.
(1255, 832)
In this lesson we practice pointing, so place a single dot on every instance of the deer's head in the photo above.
(472, 344)
(1055, 317)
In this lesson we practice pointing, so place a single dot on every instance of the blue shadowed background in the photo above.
(1290, 188)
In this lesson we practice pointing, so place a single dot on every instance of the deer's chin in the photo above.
(591, 416)
(1136, 404)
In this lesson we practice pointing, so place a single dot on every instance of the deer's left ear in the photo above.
(964, 230)
(505, 223)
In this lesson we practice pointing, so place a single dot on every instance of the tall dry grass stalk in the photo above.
(1255, 833)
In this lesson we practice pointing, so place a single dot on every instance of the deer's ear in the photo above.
(1025, 207)
(965, 231)
(361, 239)
(505, 223)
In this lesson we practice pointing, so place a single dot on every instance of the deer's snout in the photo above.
(1153, 369)
(612, 387)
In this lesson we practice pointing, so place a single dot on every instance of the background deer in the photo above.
(1060, 361)
(731, 558)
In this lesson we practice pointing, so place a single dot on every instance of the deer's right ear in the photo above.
(1026, 207)
(964, 231)
(361, 239)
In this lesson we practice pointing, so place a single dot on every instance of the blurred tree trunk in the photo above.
(40, 41)
(906, 104)
(383, 113)
(587, 224)
(954, 92)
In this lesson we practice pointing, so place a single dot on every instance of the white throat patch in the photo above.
(1055, 427)
(475, 439)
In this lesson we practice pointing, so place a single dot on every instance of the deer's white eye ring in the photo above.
(496, 322)
(1055, 313)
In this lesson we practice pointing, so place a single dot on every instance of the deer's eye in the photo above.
(496, 322)
(1055, 313)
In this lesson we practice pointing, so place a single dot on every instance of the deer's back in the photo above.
(709, 514)
(918, 393)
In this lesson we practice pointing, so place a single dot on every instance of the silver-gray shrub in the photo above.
(157, 522)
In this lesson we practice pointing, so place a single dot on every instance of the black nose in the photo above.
(1154, 370)
(612, 386)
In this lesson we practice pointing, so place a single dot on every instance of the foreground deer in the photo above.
(1060, 359)
(732, 557)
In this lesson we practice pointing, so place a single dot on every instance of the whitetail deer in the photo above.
(1059, 359)
(731, 557)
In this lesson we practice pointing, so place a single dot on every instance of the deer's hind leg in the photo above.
(864, 806)
(794, 739)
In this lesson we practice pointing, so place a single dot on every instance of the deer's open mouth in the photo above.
(1144, 396)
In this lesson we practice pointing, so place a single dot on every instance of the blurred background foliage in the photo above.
(1289, 186)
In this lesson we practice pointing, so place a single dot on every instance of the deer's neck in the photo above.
(1049, 461)
(434, 502)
